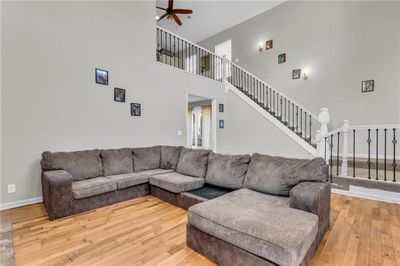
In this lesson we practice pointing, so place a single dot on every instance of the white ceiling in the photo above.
(211, 17)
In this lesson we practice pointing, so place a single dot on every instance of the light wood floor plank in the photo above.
(148, 231)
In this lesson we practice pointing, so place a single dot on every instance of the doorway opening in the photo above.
(201, 119)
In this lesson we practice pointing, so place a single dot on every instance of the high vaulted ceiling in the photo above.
(211, 17)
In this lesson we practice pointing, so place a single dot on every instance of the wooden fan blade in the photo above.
(177, 20)
(161, 8)
(182, 11)
(170, 4)
(163, 16)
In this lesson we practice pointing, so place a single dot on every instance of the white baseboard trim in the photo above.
(369, 193)
(19, 203)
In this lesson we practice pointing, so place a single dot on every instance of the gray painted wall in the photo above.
(49, 99)
(341, 43)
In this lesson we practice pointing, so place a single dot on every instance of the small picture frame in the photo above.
(281, 58)
(269, 44)
(119, 95)
(136, 109)
(296, 73)
(221, 123)
(101, 76)
(367, 86)
(221, 108)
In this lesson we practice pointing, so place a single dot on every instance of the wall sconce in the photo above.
(260, 46)
(306, 74)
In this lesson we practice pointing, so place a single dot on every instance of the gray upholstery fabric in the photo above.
(7, 254)
(57, 193)
(313, 197)
(93, 186)
(176, 182)
(170, 156)
(182, 200)
(193, 162)
(90, 203)
(80, 164)
(133, 179)
(146, 158)
(227, 170)
(277, 175)
(117, 161)
(262, 224)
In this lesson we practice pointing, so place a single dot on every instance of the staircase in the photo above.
(346, 167)
(180, 53)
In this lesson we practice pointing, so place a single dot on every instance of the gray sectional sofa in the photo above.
(242, 210)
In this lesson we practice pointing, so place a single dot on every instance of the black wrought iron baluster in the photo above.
(394, 141)
(310, 124)
(170, 48)
(281, 103)
(285, 112)
(331, 157)
(354, 153)
(267, 98)
(376, 156)
(173, 57)
(337, 153)
(305, 125)
(369, 153)
(325, 148)
(301, 122)
(297, 119)
(293, 119)
(384, 156)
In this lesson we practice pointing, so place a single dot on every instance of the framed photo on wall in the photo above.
(269, 44)
(367, 86)
(221, 108)
(281, 58)
(119, 95)
(296, 73)
(221, 123)
(101, 76)
(136, 109)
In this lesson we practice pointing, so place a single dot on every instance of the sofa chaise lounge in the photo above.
(242, 210)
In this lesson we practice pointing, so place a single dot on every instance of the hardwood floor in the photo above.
(148, 231)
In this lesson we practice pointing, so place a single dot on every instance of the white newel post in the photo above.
(323, 119)
(345, 152)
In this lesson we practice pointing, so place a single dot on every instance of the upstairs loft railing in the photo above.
(180, 53)
(361, 151)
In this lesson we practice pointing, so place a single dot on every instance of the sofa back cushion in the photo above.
(80, 164)
(193, 162)
(227, 170)
(277, 175)
(146, 158)
(117, 161)
(170, 156)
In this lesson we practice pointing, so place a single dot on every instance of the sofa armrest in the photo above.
(57, 193)
(313, 197)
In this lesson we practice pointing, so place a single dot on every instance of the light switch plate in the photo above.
(11, 188)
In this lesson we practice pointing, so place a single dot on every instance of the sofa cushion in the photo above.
(193, 162)
(146, 158)
(175, 182)
(170, 156)
(80, 164)
(227, 170)
(92, 186)
(261, 224)
(277, 175)
(134, 179)
(117, 161)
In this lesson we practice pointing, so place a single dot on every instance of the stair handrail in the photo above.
(285, 96)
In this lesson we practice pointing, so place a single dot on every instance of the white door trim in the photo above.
(213, 119)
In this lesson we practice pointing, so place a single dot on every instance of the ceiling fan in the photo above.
(170, 12)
